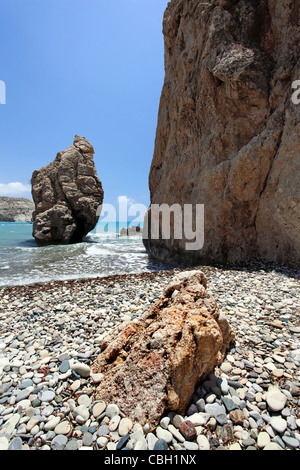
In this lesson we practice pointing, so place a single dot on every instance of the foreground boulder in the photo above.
(228, 133)
(154, 365)
(67, 194)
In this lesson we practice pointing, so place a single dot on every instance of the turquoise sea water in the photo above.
(102, 253)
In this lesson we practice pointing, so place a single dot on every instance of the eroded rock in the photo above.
(154, 364)
(228, 131)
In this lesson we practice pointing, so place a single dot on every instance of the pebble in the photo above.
(64, 427)
(82, 369)
(263, 439)
(59, 442)
(161, 445)
(278, 424)
(50, 335)
(276, 400)
(125, 426)
(203, 442)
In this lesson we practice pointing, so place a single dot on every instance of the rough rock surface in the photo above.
(154, 364)
(67, 194)
(15, 209)
(228, 133)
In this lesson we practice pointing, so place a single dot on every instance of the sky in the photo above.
(89, 67)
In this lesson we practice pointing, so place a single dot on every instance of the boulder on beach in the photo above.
(67, 195)
(153, 365)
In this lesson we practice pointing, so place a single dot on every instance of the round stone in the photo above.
(112, 410)
(82, 414)
(64, 427)
(16, 444)
(291, 442)
(188, 430)
(272, 446)
(125, 426)
(4, 443)
(226, 367)
(52, 423)
(47, 396)
(278, 424)
(164, 435)
(214, 409)
(122, 442)
(98, 409)
(72, 445)
(82, 369)
(87, 439)
(64, 367)
(235, 446)
(161, 444)
(276, 400)
(263, 439)
(203, 442)
(84, 400)
(25, 383)
(103, 430)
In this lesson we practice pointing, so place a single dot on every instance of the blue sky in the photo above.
(88, 67)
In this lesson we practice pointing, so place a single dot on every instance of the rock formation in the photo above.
(228, 133)
(16, 209)
(67, 194)
(154, 364)
(135, 230)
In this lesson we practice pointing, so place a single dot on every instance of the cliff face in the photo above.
(67, 194)
(228, 133)
(14, 209)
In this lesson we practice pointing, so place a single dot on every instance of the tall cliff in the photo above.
(16, 209)
(228, 133)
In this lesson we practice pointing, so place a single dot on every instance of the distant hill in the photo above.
(14, 209)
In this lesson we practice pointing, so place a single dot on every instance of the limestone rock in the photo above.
(135, 230)
(228, 133)
(67, 194)
(15, 209)
(154, 364)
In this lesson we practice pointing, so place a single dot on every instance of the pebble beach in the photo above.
(51, 333)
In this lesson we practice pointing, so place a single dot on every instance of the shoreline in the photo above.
(255, 265)
(47, 329)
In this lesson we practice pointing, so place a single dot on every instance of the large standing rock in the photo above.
(154, 364)
(67, 194)
(228, 133)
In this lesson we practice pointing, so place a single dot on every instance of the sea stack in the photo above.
(67, 194)
(228, 133)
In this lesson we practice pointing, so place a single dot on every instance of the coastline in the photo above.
(47, 325)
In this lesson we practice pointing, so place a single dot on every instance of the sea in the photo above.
(101, 253)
